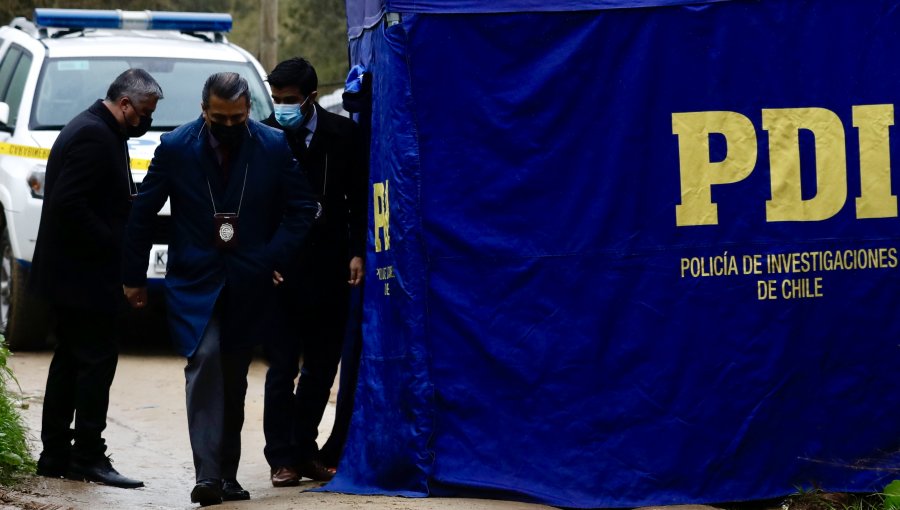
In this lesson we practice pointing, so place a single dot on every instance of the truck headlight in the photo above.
(36, 182)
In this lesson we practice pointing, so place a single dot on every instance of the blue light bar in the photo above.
(77, 18)
(136, 20)
(196, 21)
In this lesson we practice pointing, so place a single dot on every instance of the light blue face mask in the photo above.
(290, 115)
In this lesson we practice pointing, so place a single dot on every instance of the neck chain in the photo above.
(243, 187)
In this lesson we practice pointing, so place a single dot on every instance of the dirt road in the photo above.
(148, 439)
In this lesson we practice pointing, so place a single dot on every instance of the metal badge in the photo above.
(226, 230)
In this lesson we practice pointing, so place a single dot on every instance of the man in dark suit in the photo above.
(240, 209)
(314, 305)
(76, 268)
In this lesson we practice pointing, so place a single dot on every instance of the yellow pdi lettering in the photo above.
(381, 204)
(873, 123)
(787, 203)
(698, 173)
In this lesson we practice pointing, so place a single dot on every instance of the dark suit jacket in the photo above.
(335, 168)
(275, 214)
(86, 202)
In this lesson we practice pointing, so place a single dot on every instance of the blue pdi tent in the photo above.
(629, 252)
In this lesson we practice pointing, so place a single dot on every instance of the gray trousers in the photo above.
(216, 383)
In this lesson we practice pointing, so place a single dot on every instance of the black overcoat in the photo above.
(77, 256)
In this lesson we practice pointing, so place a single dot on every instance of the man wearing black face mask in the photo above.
(87, 197)
(241, 209)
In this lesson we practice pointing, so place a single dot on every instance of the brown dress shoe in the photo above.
(315, 470)
(285, 477)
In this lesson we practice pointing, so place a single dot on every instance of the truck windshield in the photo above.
(68, 86)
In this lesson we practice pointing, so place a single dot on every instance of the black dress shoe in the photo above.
(315, 470)
(232, 491)
(52, 467)
(100, 470)
(207, 492)
(330, 455)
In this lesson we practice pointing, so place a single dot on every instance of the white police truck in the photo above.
(58, 64)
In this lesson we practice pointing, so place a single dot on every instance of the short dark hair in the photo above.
(134, 83)
(296, 72)
(228, 86)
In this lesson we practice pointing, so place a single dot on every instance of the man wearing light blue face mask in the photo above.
(314, 301)
(291, 115)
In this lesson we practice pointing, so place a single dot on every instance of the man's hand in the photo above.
(357, 270)
(136, 296)
(276, 278)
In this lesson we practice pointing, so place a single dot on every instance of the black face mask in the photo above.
(229, 135)
(141, 129)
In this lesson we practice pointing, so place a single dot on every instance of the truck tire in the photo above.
(24, 318)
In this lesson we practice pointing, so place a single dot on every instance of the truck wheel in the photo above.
(24, 318)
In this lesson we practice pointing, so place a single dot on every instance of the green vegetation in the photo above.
(315, 29)
(892, 496)
(14, 456)
(816, 499)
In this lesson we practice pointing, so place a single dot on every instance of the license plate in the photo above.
(160, 259)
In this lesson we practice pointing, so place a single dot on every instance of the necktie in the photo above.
(302, 133)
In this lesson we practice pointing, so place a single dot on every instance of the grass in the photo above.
(15, 458)
(816, 499)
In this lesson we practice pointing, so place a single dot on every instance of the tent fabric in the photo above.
(362, 15)
(393, 371)
(631, 257)
(480, 6)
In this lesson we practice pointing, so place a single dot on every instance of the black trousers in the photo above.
(81, 373)
(311, 320)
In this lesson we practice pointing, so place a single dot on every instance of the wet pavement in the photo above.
(148, 440)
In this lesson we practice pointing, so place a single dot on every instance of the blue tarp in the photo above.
(480, 6)
(622, 257)
(363, 14)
